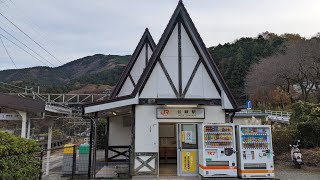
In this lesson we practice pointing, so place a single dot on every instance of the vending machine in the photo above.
(217, 152)
(255, 153)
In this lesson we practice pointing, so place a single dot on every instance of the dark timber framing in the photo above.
(168, 77)
(181, 15)
(179, 60)
(152, 156)
(147, 47)
(107, 128)
(191, 78)
(164, 101)
(132, 81)
(201, 59)
(133, 133)
(146, 39)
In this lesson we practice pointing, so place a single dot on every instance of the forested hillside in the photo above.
(234, 59)
(96, 69)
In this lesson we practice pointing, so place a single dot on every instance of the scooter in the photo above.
(296, 155)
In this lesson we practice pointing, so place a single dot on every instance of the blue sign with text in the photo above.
(249, 104)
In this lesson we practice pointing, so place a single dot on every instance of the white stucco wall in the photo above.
(119, 135)
(147, 125)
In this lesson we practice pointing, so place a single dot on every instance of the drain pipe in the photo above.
(232, 115)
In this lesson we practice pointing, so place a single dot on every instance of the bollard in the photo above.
(83, 163)
(68, 160)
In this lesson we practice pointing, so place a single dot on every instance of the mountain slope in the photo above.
(233, 59)
(96, 69)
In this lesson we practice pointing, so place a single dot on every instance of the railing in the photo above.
(278, 116)
(65, 99)
(119, 153)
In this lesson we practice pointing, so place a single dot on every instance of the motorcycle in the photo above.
(296, 155)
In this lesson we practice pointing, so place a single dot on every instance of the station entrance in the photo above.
(178, 149)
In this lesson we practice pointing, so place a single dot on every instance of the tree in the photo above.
(16, 159)
(295, 73)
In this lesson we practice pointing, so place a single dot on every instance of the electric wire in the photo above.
(8, 54)
(28, 36)
(40, 34)
(2, 2)
(26, 46)
(23, 49)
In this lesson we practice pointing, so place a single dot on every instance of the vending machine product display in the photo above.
(255, 153)
(217, 153)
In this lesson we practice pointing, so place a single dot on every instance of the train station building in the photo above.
(166, 89)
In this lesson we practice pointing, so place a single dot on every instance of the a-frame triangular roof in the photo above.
(135, 66)
(180, 23)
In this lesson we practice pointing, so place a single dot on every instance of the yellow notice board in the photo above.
(182, 136)
(189, 161)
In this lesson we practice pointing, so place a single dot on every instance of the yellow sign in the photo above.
(182, 136)
(189, 161)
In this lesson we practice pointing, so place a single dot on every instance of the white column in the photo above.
(24, 123)
(29, 126)
(49, 146)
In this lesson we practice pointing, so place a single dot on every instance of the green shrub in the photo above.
(304, 111)
(17, 161)
(282, 138)
(310, 133)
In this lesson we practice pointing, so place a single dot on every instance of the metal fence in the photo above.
(68, 162)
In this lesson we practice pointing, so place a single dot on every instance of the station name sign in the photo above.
(180, 113)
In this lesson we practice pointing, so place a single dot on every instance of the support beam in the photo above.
(50, 124)
(133, 132)
(29, 126)
(107, 140)
(23, 114)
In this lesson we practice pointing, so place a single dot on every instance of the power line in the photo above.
(29, 37)
(23, 49)
(8, 53)
(40, 34)
(26, 46)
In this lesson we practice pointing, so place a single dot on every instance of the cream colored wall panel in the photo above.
(209, 89)
(146, 137)
(149, 53)
(164, 88)
(169, 56)
(127, 88)
(119, 135)
(150, 90)
(226, 104)
(189, 57)
(196, 87)
(139, 65)
(147, 125)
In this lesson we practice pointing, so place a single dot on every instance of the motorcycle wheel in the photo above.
(298, 166)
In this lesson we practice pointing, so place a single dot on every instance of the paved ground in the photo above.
(289, 172)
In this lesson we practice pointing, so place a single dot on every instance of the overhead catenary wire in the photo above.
(23, 49)
(29, 37)
(39, 33)
(26, 46)
(8, 54)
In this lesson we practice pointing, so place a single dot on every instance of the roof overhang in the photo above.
(111, 104)
(21, 103)
(58, 109)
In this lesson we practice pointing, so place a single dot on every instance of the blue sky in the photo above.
(71, 29)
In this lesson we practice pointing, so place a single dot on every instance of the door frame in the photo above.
(180, 150)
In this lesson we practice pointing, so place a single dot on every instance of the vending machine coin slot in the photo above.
(228, 151)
